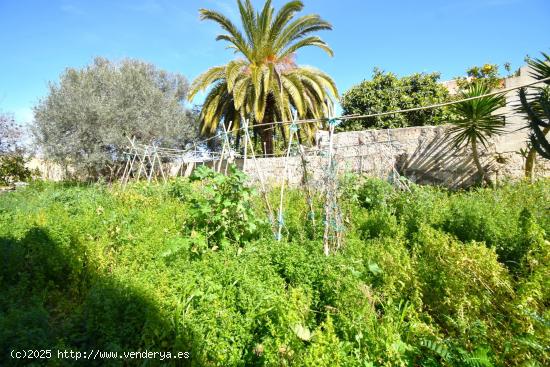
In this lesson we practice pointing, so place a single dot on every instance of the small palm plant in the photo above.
(477, 121)
(538, 110)
(537, 107)
(265, 84)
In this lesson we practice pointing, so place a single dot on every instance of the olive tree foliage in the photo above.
(87, 118)
(386, 92)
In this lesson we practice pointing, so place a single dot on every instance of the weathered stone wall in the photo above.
(423, 154)
(48, 170)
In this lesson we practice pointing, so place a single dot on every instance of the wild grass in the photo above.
(425, 278)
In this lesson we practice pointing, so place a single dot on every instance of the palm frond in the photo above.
(206, 79)
(232, 71)
(478, 119)
(300, 28)
(540, 68)
(285, 15)
(312, 41)
(240, 91)
(295, 89)
(248, 19)
(236, 38)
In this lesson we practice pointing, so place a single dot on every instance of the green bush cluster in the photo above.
(386, 92)
(12, 169)
(426, 278)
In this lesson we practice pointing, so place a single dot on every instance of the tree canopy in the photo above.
(87, 118)
(488, 75)
(386, 92)
(266, 84)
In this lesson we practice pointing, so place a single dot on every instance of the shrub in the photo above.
(12, 169)
(386, 92)
(465, 289)
(375, 193)
(223, 210)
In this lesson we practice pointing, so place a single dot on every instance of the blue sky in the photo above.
(40, 38)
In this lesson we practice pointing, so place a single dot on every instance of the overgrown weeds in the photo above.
(426, 278)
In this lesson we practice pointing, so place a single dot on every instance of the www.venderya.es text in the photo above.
(94, 354)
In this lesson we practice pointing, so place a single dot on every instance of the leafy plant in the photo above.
(375, 194)
(477, 358)
(13, 169)
(439, 349)
(224, 208)
(478, 120)
(487, 74)
(537, 109)
(100, 267)
(386, 92)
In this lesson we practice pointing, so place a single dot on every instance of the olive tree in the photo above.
(86, 119)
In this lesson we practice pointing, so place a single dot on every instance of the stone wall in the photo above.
(423, 154)
(48, 170)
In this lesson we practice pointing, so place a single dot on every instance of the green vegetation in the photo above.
(386, 92)
(13, 169)
(86, 119)
(477, 121)
(536, 106)
(426, 278)
(266, 85)
(487, 75)
(12, 160)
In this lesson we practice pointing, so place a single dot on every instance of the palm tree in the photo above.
(532, 106)
(265, 85)
(537, 110)
(477, 121)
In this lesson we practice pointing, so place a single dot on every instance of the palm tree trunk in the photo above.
(283, 134)
(267, 131)
(531, 159)
(267, 139)
(480, 170)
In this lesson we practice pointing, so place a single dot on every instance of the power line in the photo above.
(378, 114)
